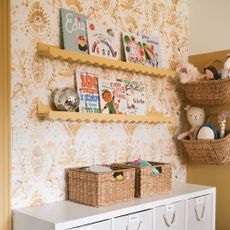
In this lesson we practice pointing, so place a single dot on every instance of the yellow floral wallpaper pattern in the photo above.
(47, 148)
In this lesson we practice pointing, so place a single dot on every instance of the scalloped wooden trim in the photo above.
(55, 52)
(45, 112)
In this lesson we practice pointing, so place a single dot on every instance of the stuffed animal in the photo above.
(188, 73)
(226, 70)
(195, 117)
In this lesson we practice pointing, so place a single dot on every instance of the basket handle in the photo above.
(138, 226)
(172, 222)
(212, 61)
(118, 176)
(201, 216)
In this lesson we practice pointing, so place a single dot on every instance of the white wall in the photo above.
(209, 26)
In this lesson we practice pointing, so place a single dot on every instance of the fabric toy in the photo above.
(195, 117)
(226, 71)
(188, 73)
(211, 73)
(206, 132)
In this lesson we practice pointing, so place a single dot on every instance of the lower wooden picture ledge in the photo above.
(46, 112)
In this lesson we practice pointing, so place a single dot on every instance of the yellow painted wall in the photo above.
(4, 117)
(213, 175)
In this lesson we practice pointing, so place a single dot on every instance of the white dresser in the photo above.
(186, 207)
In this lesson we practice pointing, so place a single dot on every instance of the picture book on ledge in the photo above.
(152, 50)
(135, 96)
(133, 48)
(74, 31)
(112, 97)
(87, 87)
(103, 41)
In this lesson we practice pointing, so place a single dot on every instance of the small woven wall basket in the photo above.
(209, 151)
(148, 184)
(210, 93)
(100, 189)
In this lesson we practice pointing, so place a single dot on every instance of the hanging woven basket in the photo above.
(209, 151)
(208, 93)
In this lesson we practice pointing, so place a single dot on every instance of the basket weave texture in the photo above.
(148, 184)
(100, 189)
(209, 151)
(210, 93)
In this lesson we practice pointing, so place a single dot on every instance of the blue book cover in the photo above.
(74, 31)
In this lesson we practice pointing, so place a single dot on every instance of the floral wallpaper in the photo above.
(43, 150)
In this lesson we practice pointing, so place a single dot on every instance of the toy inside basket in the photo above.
(147, 183)
(100, 189)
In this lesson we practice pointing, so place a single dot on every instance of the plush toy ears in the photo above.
(187, 107)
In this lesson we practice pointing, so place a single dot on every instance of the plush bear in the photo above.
(188, 73)
(196, 118)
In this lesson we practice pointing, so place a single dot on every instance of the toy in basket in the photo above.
(210, 88)
(151, 178)
(203, 145)
(101, 185)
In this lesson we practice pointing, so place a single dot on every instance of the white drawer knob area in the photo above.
(186, 207)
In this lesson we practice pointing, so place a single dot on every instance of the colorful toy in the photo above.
(206, 132)
(211, 73)
(195, 117)
(188, 73)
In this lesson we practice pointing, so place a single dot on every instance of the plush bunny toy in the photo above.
(196, 118)
(188, 73)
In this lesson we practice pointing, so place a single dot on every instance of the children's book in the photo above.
(135, 95)
(152, 50)
(87, 87)
(74, 31)
(112, 97)
(133, 48)
(103, 41)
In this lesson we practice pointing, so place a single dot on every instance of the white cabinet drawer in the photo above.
(170, 216)
(136, 221)
(200, 213)
(103, 225)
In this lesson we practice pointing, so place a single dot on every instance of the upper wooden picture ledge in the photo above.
(55, 52)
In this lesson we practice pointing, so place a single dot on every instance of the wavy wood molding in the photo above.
(46, 112)
(5, 168)
(55, 52)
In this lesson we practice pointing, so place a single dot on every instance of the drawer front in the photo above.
(105, 225)
(170, 216)
(136, 221)
(200, 213)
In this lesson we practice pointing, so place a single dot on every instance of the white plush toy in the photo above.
(196, 118)
(188, 73)
(226, 70)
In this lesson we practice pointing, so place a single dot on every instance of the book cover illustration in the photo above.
(103, 41)
(87, 87)
(152, 50)
(135, 94)
(112, 97)
(74, 31)
(133, 48)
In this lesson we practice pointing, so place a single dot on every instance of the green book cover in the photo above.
(74, 31)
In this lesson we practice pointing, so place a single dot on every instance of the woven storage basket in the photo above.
(148, 184)
(210, 93)
(100, 189)
(209, 151)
